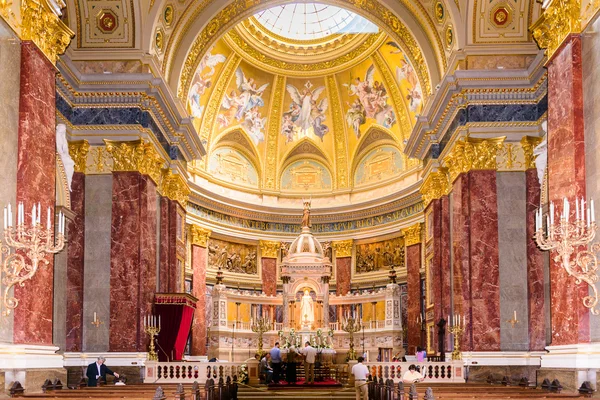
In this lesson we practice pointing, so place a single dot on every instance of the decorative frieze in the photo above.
(343, 248)
(78, 150)
(412, 235)
(199, 235)
(269, 249)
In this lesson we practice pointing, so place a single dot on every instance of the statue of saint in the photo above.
(307, 315)
(306, 215)
(62, 147)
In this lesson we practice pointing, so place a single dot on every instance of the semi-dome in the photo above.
(305, 245)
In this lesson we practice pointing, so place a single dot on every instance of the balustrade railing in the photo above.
(451, 371)
(188, 372)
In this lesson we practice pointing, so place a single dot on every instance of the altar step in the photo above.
(253, 393)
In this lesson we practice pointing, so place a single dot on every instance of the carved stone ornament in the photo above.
(269, 249)
(136, 155)
(472, 153)
(435, 185)
(175, 187)
(412, 235)
(529, 143)
(41, 23)
(560, 19)
(199, 236)
(343, 248)
(79, 151)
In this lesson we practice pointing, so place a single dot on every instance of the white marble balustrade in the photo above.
(188, 372)
(450, 371)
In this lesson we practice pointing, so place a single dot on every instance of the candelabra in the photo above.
(260, 326)
(565, 237)
(351, 326)
(152, 329)
(35, 241)
(457, 329)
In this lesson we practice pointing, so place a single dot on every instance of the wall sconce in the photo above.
(514, 319)
(96, 322)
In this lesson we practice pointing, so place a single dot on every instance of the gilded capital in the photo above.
(269, 249)
(528, 143)
(41, 23)
(343, 248)
(472, 154)
(560, 19)
(175, 187)
(412, 235)
(78, 150)
(434, 186)
(136, 155)
(199, 236)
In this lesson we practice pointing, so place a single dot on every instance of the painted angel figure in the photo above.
(210, 61)
(415, 94)
(305, 112)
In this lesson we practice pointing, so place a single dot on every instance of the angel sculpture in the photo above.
(304, 112)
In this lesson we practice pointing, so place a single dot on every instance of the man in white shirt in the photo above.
(361, 372)
(309, 353)
(412, 375)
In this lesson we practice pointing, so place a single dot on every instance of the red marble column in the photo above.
(413, 266)
(36, 172)
(76, 246)
(535, 267)
(269, 276)
(445, 276)
(566, 178)
(170, 275)
(199, 259)
(343, 274)
(476, 259)
(132, 259)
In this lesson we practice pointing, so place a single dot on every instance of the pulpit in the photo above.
(176, 311)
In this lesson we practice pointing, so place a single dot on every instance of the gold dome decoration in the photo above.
(159, 39)
(449, 36)
(439, 11)
(169, 14)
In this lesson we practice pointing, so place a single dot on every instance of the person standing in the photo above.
(98, 370)
(421, 354)
(276, 362)
(309, 354)
(360, 372)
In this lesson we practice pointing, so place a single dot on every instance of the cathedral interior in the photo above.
(372, 176)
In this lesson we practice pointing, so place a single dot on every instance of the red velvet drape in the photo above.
(176, 314)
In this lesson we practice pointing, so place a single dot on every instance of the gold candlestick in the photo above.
(152, 329)
(260, 326)
(351, 326)
(457, 329)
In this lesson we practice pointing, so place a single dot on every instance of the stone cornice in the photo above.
(141, 90)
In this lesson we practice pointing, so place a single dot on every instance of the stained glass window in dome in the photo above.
(308, 21)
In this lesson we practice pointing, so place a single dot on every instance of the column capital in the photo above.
(435, 185)
(78, 150)
(472, 153)
(528, 143)
(343, 248)
(269, 249)
(560, 19)
(175, 187)
(199, 236)
(136, 155)
(412, 235)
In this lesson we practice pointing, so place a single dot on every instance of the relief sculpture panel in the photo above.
(378, 256)
(233, 257)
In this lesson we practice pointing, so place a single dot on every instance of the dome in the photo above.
(305, 245)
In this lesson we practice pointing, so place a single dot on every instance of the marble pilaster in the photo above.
(413, 266)
(170, 222)
(36, 175)
(269, 275)
(566, 178)
(343, 274)
(199, 263)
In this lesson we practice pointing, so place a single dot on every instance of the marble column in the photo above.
(535, 267)
(412, 239)
(75, 257)
(566, 178)
(170, 223)
(133, 259)
(199, 238)
(36, 176)
(475, 258)
(268, 258)
(343, 266)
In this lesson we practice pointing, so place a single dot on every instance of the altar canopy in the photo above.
(176, 311)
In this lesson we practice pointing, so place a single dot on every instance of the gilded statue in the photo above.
(306, 215)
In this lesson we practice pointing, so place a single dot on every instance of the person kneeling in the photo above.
(412, 375)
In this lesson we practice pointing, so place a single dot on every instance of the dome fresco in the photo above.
(305, 127)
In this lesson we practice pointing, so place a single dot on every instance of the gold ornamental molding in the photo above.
(136, 155)
(78, 150)
(528, 143)
(435, 185)
(560, 19)
(199, 236)
(340, 134)
(412, 235)
(175, 187)
(269, 249)
(472, 154)
(343, 248)
(41, 23)
(270, 172)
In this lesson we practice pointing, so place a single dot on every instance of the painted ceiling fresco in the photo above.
(317, 120)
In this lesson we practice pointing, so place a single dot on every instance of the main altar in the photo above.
(306, 309)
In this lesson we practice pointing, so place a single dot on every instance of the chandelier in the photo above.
(568, 237)
(30, 243)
